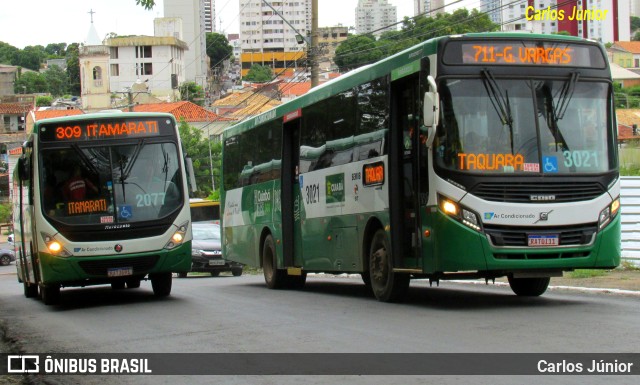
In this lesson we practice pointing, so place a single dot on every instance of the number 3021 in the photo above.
(581, 159)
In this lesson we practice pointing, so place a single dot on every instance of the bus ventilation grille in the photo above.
(501, 236)
(139, 264)
(528, 192)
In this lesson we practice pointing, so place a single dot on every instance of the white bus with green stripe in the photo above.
(475, 156)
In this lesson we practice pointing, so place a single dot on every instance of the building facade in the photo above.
(267, 39)
(375, 16)
(209, 16)
(193, 34)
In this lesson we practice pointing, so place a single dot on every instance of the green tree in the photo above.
(30, 57)
(56, 50)
(259, 74)
(73, 68)
(635, 23)
(30, 83)
(197, 148)
(43, 101)
(357, 51)
(218, 48)
(192, 92)
(8, 53)
(57, 80)
(147, 4)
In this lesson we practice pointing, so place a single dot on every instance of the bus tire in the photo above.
(386, 285)
(30, 291)
(529, 287)
(296, 282)
(182, 275)
(50, 294)
(161, 284)
(274, 278)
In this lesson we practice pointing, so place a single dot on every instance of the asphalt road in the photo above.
(331, 315)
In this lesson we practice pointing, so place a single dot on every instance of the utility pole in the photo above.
(314, 50)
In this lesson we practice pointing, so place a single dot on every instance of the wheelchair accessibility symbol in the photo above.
(550, 164)
(125, 212)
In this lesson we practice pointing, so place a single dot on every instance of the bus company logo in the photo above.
(542, 198)
(489, 216)
(23, 364)
(335, 188)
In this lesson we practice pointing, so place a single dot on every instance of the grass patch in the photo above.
(587, 273)
(629, 266)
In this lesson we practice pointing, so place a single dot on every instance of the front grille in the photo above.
(507, 236)
(530, 256)
(139, 264)
(522, 192)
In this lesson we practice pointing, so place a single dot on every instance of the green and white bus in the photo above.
(464, 157)
(101, 199)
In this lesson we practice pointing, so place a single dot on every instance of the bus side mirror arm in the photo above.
(431, 109)
(23, 169)
(192, 176)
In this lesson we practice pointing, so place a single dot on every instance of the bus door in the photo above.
(404, 172)
(290, 190)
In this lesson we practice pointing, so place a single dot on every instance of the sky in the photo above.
(42, 22)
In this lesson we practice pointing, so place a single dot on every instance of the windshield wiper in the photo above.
(565, 95)
(499, 101)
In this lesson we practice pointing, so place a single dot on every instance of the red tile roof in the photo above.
(294, 88)
(46, 114)
(188, 111)
(629, 46)
(15, 108)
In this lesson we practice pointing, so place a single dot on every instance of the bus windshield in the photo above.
(544, 126)
(105, 184)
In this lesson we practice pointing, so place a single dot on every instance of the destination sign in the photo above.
(373, 174)
(104, 129)
(530, 53)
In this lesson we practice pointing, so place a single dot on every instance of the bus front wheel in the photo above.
(161, 284)
(274, 278)
(30, 291)
(50, 294)
(528, 287)
(387, 286)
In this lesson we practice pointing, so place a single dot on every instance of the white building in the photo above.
(493, 8)
(263, 30)
(156, 61)
(209, 15)
(429, 8)
(192, 13)
(375, 16)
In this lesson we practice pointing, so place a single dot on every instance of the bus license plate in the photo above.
(119, 271)
(543, 240)
(216, 262)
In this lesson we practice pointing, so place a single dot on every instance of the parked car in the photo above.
(206, 252)
(6, 256)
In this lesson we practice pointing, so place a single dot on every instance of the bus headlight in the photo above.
(608, 213)
(178, 236)
(458, 212)
(54, 247)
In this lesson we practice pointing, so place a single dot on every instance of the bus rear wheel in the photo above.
(386, 285)
(274, 278)
(529, 287)
(50, 294)
(161, 284)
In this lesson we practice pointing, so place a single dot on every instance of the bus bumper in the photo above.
(459, 248)
(84, 271)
